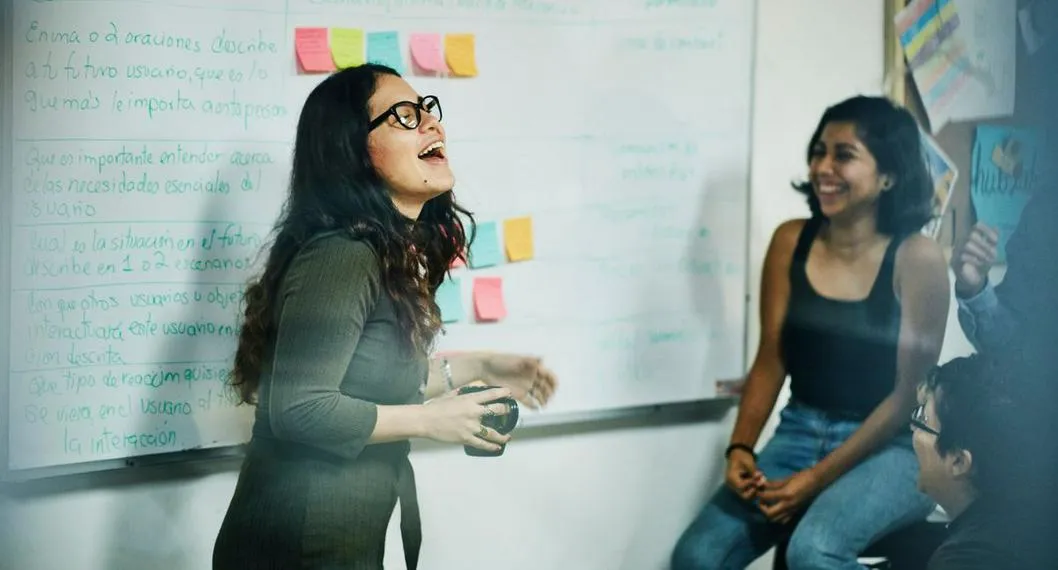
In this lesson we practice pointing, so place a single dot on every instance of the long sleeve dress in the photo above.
(312, 493)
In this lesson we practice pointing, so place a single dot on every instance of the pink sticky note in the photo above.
(427, 53)
(314, 53)
(457, 263)
(488, 299)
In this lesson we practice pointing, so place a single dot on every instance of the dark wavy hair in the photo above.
(891, 135)
(333, 186)
(999, 407)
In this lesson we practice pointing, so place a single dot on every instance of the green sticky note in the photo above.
(384, 48)
(449, 298)
(485, 249)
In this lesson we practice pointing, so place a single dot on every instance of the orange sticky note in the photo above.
(314, 54)
(347, 47)
(488, 299)
(427, 53)
(518, 238)
(459, 54)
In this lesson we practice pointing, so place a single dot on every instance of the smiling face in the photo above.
(844, 173)
(412, 162)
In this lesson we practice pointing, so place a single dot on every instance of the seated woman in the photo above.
(853, 307)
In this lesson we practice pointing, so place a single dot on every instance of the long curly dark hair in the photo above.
(333, 186)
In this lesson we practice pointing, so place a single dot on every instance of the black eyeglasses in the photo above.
(918, 420)
(408, 114)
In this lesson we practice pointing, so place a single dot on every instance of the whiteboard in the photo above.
(152, 144)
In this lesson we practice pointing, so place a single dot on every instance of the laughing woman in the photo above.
(853, 307)
(334, 344)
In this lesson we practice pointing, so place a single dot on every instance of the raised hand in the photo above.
(972, 258)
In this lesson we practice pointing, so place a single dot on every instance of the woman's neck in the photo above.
(850, 237)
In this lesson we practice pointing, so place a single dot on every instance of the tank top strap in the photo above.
(884, 283)
(805, 239)
(798, 277)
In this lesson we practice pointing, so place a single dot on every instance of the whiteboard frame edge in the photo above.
(748, 237)
(646, 411)
(7, 155)
(31, 474)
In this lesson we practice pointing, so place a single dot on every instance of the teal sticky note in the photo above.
(449, 298)
(384, 48)
(485, 249)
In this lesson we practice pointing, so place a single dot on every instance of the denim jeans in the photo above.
(875, 497)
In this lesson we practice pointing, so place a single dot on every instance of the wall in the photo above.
(621, 492)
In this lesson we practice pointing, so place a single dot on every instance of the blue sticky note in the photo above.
(449, 298)
(384, 48)
(485, 249)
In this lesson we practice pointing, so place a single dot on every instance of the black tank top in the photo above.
(841, 355)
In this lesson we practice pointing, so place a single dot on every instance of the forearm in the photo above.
(331, 421)
(465, 367)
(877, 430)
(986, 322)
(758, 401)
(398, 423)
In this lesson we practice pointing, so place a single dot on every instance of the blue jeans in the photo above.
(875, 497)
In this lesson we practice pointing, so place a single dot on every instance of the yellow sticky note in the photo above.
(459, 54)
(518, 238)
(347, 47)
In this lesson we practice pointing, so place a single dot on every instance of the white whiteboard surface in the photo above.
(139, 203)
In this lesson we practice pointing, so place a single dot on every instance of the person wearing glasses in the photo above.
(853, 308)
(981, 444)
(337, 330)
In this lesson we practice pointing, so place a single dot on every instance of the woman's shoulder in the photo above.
(787, 234)
(340, 246)
(920, 252)
(791, 227)
(920, 266)
(335, 258)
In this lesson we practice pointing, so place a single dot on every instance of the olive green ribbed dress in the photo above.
(311, 492)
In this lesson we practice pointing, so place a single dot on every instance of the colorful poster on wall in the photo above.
(936, 54)
(943, 172)
(990, 30)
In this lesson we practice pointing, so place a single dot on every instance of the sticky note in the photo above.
(485, 249)
(518, 238)
(449, 299)
(312, 50)
(456, 263)
(459, 54)
(347, 47)
(427, 53)
(384, 48)
(488, 299)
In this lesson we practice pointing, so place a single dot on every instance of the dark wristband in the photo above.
(742, 446)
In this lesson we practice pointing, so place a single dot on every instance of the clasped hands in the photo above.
(779, 500)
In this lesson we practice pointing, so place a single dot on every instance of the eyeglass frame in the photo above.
(918, 420)
(419, 107)
(918, 415)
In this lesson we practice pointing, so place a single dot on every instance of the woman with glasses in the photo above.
(336, 333)
(854, 303)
